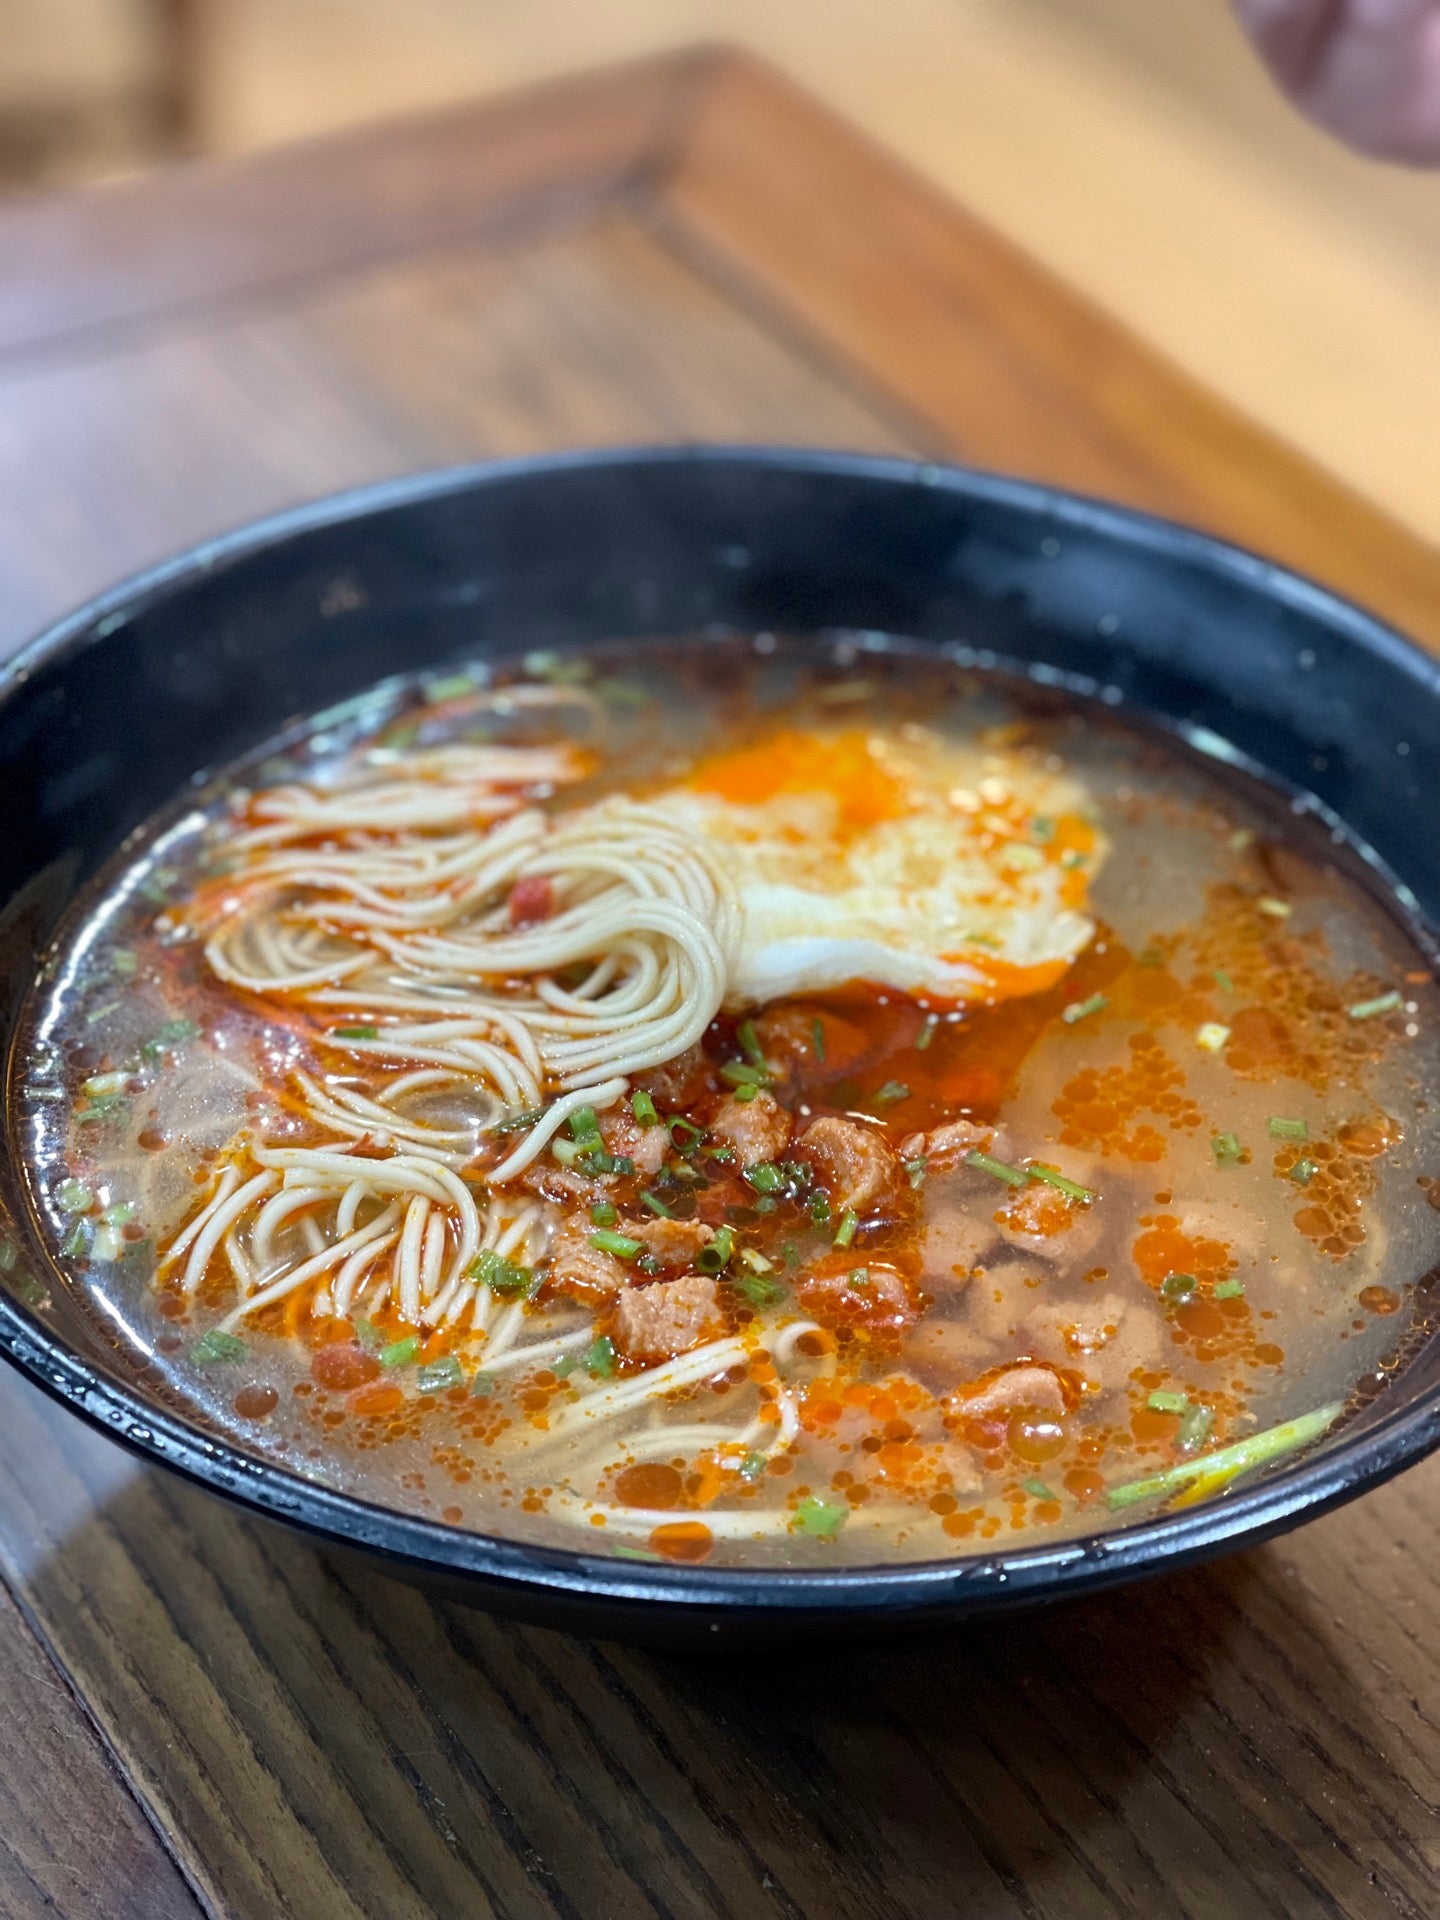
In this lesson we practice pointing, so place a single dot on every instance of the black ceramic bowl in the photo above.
(109, 715)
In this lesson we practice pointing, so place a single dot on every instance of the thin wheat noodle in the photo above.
(219, 1223)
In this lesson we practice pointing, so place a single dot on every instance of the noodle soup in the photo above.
(751, 1101)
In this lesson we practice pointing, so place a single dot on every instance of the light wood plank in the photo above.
(125, 253)
(942, 314)
(74, 1845)
(110, 462)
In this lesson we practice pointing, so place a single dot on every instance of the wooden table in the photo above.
(197, 1715)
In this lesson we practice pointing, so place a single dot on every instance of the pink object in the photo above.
(1367, 70)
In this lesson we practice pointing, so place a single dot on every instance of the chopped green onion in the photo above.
(620, 1244)
(859, 1279)
(622, 693)
(927, 1032)
(97, 1014)
(744, 1094)
(845, 1232)
(821, 1519)
(603, 1214)
(656, 1205)
(1195, 1428)
(1038, 1490)
(449, 686)
(119, 1213)
(1368, 1009)
(1229, 1290)
(1052, 1177)
(493, 1270)
(817, 1037)
(1042, 829)
(758, 1288)
(721, 1153)
(1082, 1009)
(107, 1244)
(820, 1208)
(750, 1044)
(567, 1152)
(123, 962)
(584, 1125)
(174, 1033)
(752, 1466)
(440, 1374)
(518, 1122)
(621, 1552)
(1281, 1129)
(1020, 858)
(355, 1033)
(643, 1108)
(100, 1086)
(76, 1243)
(716, 1255)
(1163, 1402)
(399, 1353)
(1223, 981)
(1218, 1468)
(739, 1073)
(997, 1169)
(917, 1169)
(756, 1262)
(565, 1365)
(890, 1094)
(1227, 1149)
(678, 1124)
(647, 1263)
(217, 1346)
(1179, 1286)
(1212, 1036)
(73, 1196)
(1276, 909)
(482, 1385)
(597, 1160)
(765, 1177)
(600, 1357)
(368, 1336)
(559, 669)
(1304, 1171)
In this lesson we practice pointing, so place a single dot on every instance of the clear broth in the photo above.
(1219, 909)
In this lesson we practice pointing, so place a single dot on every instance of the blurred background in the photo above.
(1133, 145)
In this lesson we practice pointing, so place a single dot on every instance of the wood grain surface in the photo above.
(310, 1739)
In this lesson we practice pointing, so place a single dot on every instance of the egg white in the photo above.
(926, 902)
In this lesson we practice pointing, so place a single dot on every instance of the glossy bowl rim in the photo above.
(984, 1582)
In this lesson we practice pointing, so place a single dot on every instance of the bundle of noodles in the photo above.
(460, 948)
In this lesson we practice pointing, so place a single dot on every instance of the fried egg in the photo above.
(902, 858)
